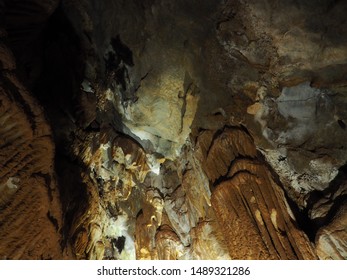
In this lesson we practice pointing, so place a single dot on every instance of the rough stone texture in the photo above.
(252, 209)
(30, 210)
(327, 211)
(184, 129)
(331, 239)
(300, 107)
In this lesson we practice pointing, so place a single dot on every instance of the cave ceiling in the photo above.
(162, 129)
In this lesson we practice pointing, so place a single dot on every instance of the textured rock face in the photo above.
(331, 239)
(298, 108)
(252, 209)
(30, 210)
(183, 129)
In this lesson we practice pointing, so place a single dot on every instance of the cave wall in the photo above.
(30, 210)
(178, 129)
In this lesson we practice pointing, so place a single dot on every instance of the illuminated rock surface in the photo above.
(173, 129)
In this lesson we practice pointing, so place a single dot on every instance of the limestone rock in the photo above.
(168, 244)
(252, 209)
(208, 242)
(331, 239)
(183, 129)
(227, 144)
(115, 170)
(30, 210)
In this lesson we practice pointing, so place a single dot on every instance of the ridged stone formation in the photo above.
(162, 129)
(251, 207)
(30, 211)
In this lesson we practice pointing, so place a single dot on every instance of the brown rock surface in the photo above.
(250, 206)
(30, 211)
(183, 129)
(331, 239)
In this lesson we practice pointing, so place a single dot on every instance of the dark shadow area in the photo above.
(57, 88)
(311, 227)
(328, 193)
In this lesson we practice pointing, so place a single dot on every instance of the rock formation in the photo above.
(31, 214)
(179, 129)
